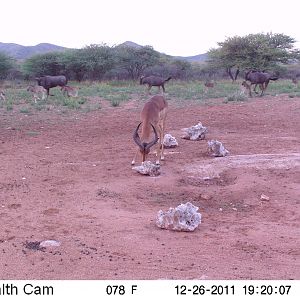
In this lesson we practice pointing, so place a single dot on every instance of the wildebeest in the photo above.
(261, 78)
(208, 84)
(70, 91)
(49, 82)
(154, 81)
(37, 91)
(295, 81)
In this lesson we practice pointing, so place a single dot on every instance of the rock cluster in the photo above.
(184, 217)
(170, 141)
(216, 148)
(148, 168)
(195, 133)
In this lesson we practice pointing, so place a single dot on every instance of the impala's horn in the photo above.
(136, 137)
(144, 146)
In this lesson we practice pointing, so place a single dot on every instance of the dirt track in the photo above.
(69, 178)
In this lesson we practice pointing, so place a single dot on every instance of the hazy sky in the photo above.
(186, 27)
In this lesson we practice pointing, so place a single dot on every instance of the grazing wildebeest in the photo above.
(154, 81)
(208, 84)
(295, 81)
(261, 78)
(49, 82)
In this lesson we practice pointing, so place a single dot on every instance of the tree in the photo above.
(74, 65)
(254, 51)
(6, 65)
(136, 60)
(96, 60)
(44, 64)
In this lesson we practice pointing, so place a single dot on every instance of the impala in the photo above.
(70, 91)
(37, 91)
(2, 95)
(153, 117)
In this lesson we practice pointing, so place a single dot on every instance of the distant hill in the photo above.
(22, 52)
(195, 58)
(130, 44)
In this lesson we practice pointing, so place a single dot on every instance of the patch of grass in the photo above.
(25, 110)
(236, 96)
(177, 92)
(32, 133)
(294, 95)
(116, 99)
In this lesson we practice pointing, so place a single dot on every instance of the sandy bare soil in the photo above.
(69, 178)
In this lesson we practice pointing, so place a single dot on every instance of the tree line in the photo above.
(264, 52)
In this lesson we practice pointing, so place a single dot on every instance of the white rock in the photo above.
(195, 133)
(49, 243)
(264, 197)
(170, 141)
(184, 217)
(148, 168)
(216, 148)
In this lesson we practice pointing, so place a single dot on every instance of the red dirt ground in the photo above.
(69, 178)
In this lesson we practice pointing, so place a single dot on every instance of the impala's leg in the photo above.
(254, 90)
(162, 140)
(265, 87)
(158, 151)
(160, 146)
(135, 156)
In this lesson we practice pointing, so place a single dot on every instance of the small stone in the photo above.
(49, 243)
(264, 197)
(206, 196)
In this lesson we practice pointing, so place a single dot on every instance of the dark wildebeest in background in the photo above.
(208, 84)
(49, 82)
(154, 81)
(259, 78)
(295, 81)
